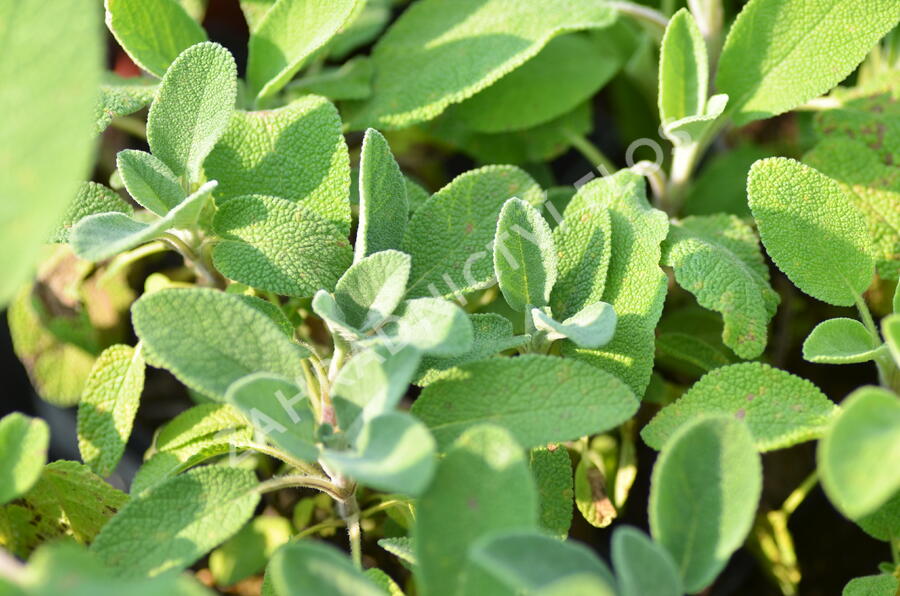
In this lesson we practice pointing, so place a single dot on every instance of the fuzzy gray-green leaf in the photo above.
(23, 442)
(840, 341)
(683, 69)
(524, 256)
(192, 108)
(383, 209)
(591, 327)
(92, 198)
(149, 181)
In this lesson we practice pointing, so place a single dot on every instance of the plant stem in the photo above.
(312, 386)
(131, 125)
(302, 481)
(591, 153)
(657, 21)
(655, 176)
(301, 465)
(888, 374)
(126, 258)
(800, 493)
(349, 510)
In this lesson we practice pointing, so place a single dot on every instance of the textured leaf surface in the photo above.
(394, 452)
(68, 499)
(192, 108)
(643, 566)
(859, 457)
(839, 341)
(352, 80)
(209, 339)
(23, 443)
(442, 52)
(152, 32)
(108, 406)
(383, 209)
(538, 399)
(276, 245)
(482, 485)
(524, 256)
(554, 82)
(121, 96)
(371, 290)
(279, 410)
(491, 334)
(92, 198)
(101, 236)
(717, 258)
(552, 473)
(149, 181)
(524, 562)
(47, 145)
(704, 492)
(779, 409)
(872, 585)
(434, 326)
(591, 327)
(683, 69)
(296, 152)
(583, 242)
(779, 53)
(288, 34)
(450, 236)
(175, 523)
(811, 229)
(636, 286)
(873, 187)
(312, 567)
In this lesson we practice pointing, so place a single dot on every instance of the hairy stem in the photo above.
(349, 510)
(656, 20)
(302, 481)
(591, 153)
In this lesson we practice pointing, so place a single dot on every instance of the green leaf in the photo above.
(811, 229)
(108, 407)
(859, 456)
(482, 485)
(382, 198)
(780, 54)
(47, 144)
(247, 552)
(592, 489)
(642, 566)
(279, 45)
(840, 341)
(149, 181)
(70, 569)
(683, 69)
(691, 350)
(23, 443)
(779, 409)
(491, 334)
(552, 473)
(555, 82)
(884, 522)
(312, 567)
(583, 241)
(92, 198)
(67, 500)
(271, 310)
(401, 547)
(450, 236)
(150, 537)
(872, 186)
(152, 32)
(277, 245)
(591, 327)
(704, 492)
(296, 152)
(254, 11)
(121, 96)
(538, 399)
(192, 108)
(394, 453)
(372, 383)
(524, 256)
(721, 185)
(635, 286)
(717, 258)
(890, 329)
(352, 80)
(104, 235)
(278, 409)
(370, 291)
(691, 129)
(872, 585)
(206, 339)
(434, 326)
(189, 439)
(522, 562)
(441, 53)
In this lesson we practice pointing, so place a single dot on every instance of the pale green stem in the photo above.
(644, 14)
(127, 258)
(301, 465)
(591, 153)
(131, 125)
(349, 510)
(800, 493)
(312, 386)
(302, 481)
(888, 375)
